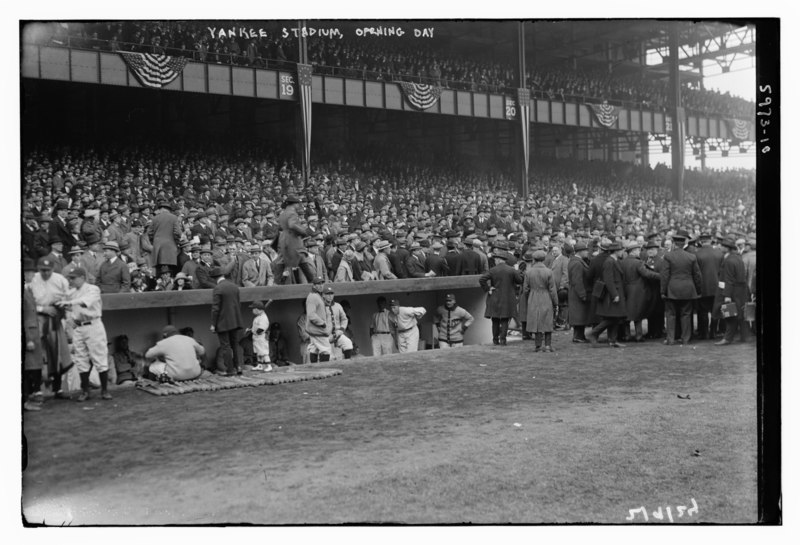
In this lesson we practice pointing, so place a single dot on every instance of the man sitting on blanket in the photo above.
(178, 357)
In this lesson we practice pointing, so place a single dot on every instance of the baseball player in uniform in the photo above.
(452, 321)
(337, 324)
(317, 325)
(405, 319)
(84, 310)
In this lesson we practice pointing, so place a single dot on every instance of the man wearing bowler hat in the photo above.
(681, 284)
(731, 287)
(114, 275)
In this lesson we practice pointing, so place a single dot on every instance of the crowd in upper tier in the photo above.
(385, 59)
(231, 207)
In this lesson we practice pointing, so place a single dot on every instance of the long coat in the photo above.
(501, 303)
(540, 290)
(30, 333)
(579, 292)
(290, 240)
(165, 233)
(680, 278)
(560, 268)
(470, 262)
(634, 274)
(594, 274)
(709, 260)
(733, 275)
(225, 308)
(615, 287)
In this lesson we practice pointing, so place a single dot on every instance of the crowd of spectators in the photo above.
(229, 203)
(382, 59)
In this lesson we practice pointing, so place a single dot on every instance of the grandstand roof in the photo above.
(585, 41)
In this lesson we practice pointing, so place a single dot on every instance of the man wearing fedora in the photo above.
(731, 287)
(165, 235)
(114, 275)
(59, 228)
(611, 308)
(381, 264)
(681, 284)
(500, 284)
(227, 321)
(709, 259)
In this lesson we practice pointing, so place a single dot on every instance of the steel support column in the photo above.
(678, 116)
(523, 100)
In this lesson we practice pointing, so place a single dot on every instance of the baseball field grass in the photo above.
(481, 434)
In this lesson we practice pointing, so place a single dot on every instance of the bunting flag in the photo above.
(154, 71)
(304, 80)
(740, 129)
(605, 113)
(420, 95)
(524, 99)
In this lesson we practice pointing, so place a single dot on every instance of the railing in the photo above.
(217, 57)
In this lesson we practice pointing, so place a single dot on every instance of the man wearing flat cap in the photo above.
(165, 235)
(731, 288)
(681, 284)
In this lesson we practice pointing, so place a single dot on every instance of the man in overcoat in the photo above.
(165, 235)
(500, 283)
(539, 288)
(709, 259)
(611, 309)
(579, 292)
(635, 274)
(731, 287)
(290, 243)
(681, 284)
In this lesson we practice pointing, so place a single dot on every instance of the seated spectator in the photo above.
(178, 357)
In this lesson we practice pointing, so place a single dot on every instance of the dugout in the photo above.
(142, 315)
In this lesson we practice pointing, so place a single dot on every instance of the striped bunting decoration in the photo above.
(154, 71)
(605, 113)
(739, 128)
(420, 95)
(304, 78)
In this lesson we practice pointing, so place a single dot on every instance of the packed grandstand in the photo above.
(379, 58)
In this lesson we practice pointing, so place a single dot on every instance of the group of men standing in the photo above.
(617, 286)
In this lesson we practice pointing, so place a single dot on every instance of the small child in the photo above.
(260, 341)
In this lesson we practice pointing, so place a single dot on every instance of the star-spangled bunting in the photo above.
(152, 70)
(739, 128)
(605, 113)
(420, 95)
(304, 79)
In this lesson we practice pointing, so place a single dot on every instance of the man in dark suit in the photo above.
(470, 261)
(290, 243)
(500, 285)
(709, 260)
(594, 274)
(611, 307)
(681, 284)
(453, 259)
(59, 229)
(436, 263)
(114, 275)
(731, 287)
(226, 322)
